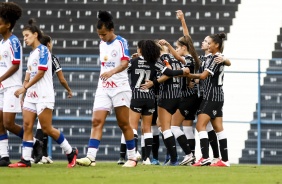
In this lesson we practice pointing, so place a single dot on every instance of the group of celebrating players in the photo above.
(165, 87)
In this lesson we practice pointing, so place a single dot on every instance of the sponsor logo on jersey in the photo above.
(32, 94)
(109, 84)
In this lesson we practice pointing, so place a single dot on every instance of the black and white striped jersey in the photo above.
(186, 91)
(171, 88)
(213, 83)
(203, 65)
(56, 66)
(140, 71)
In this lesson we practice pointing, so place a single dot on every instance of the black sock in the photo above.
(192, 144)
(143, 153)
(204, 142)
(122, 151)
(223, 149)
(39, 134)
(214, 144)
(148, 147)
(45, 145)
(183, 143)
(171, 148)
(136, 142)
(155, 147)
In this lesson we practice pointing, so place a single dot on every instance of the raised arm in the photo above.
(180, 16)
(172, 51)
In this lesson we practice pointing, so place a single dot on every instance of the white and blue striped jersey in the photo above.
(111, 55)
(11, 54)
(42, 90)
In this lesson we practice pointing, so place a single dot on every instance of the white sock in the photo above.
(66, 146)
(131, 154)
(122, 139)
(4, 148)
(188, 131)
(176, 131)
(26, 154)
(91, 153)
(143, 140)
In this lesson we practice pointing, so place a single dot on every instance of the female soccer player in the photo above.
(10, 77)
(39, 99)
(211, 106)
(186, 109)
(198, 86)
(113, 90)
(56, 68)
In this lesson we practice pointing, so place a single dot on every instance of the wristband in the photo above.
(155, 82)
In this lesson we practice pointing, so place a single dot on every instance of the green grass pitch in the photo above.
(110, 172)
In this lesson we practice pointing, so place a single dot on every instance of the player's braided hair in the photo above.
(188, 42)
(149, 50)
(10, 12)
(218, 38)
(31, 26)
(105, 19)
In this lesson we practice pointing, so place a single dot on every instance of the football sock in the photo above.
(27, 149)
(181, 139)
(204, 143)
(223, 145)
(148, 137)
(122, 151)
(4, 152)
(170, 143)
(213, 142)
(192, 144)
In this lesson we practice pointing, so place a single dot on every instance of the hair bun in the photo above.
(105, 16)
(222, 35)
(31, 21)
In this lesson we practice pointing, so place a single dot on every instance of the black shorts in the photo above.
(143, 106)
(213, 109)
(187, 107)
(171, 105)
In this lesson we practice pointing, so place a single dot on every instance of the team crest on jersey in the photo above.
(214, 112)
(34, 63)
(114, 53)
(4, 55)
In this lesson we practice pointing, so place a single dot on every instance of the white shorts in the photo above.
(38, 107)
(8, 101)
(105, 101)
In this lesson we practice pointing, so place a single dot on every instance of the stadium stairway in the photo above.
(71, 24)
(271, 108)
